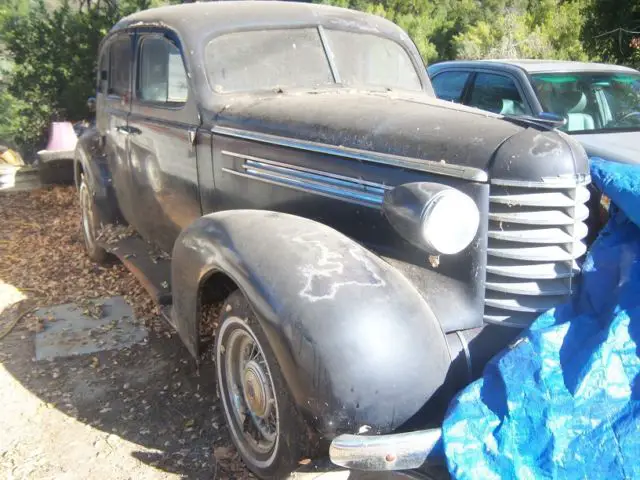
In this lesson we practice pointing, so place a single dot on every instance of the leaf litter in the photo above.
(42, 255)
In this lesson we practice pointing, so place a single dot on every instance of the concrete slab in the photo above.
(103, 324)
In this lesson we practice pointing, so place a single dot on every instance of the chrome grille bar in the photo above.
(536, 235)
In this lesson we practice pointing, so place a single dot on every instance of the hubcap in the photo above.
(256, 389)
(86, 206)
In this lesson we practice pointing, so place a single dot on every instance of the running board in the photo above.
(153, 272)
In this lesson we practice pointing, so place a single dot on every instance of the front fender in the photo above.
(356, 343)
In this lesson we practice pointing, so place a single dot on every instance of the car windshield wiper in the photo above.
(549, 122)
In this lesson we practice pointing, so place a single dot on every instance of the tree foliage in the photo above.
(612, 31)
(545, 29)
(49, 62)
(448, 29)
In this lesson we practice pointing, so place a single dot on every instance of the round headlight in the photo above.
(432, 216)
(450, 221)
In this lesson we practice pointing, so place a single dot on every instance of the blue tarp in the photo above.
(563, 401)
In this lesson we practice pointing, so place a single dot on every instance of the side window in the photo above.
(161, 74)
(449, 85)
(120, 63)
(497, 94)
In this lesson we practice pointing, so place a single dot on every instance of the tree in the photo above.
(545, 29)
(52, 70)
(610, 29)
(447, 29)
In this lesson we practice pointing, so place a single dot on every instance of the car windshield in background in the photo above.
(296, 58)
(599, 102)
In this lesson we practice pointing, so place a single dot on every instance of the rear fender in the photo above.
(91, 161)
(356, 343)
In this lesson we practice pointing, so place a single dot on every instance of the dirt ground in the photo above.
(144, 412)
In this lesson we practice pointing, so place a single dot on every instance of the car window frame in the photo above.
(101, 82)
(470, 87)
(471, 74)
(425, 83)
(141, 36)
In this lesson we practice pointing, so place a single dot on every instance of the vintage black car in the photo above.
(373, 245)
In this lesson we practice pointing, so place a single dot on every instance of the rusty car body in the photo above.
(374, 245)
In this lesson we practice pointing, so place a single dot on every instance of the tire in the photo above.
(272, 438)
(90, 223)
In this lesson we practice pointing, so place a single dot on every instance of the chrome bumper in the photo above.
(398, 451)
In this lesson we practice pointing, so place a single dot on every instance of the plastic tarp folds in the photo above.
(563, 401)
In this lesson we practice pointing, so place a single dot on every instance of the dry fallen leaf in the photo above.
(42, 254)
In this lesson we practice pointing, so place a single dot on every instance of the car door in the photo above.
(162, 132)
(113, 100)
(497, 93)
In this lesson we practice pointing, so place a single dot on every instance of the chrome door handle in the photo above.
(192, 138)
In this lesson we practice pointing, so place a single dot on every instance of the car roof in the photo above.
(202, 20)
(540, 66)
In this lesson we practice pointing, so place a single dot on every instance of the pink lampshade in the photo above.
(62, 136)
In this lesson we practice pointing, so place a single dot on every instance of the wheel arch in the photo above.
(90, 160)
(343, 338)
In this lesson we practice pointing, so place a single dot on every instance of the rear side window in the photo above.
(120, 63)
(258, 60)
(162, 77)
(449, 85)
(497, 94)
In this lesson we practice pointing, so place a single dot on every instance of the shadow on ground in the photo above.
(150, 394)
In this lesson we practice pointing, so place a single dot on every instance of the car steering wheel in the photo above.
(629, 116)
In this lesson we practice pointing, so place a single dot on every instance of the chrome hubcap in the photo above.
(86, 206)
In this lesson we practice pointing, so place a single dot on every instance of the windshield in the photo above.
(591, 102)
(296, 58)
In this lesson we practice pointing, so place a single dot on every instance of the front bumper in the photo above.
(398, 451)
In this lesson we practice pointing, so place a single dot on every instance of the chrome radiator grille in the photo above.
(535, 239)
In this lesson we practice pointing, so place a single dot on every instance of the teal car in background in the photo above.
(598, 104)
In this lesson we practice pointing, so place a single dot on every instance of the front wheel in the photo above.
(265, 425)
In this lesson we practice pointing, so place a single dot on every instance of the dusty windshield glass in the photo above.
(268, 59)
(296, 58)
(365, 59)
(598, 102)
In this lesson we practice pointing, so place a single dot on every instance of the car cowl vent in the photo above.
(536, 239)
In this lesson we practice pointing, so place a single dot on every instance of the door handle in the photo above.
(192, 138)
(125, 130)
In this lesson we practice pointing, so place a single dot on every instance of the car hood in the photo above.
(416, 126)
(623, 147)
